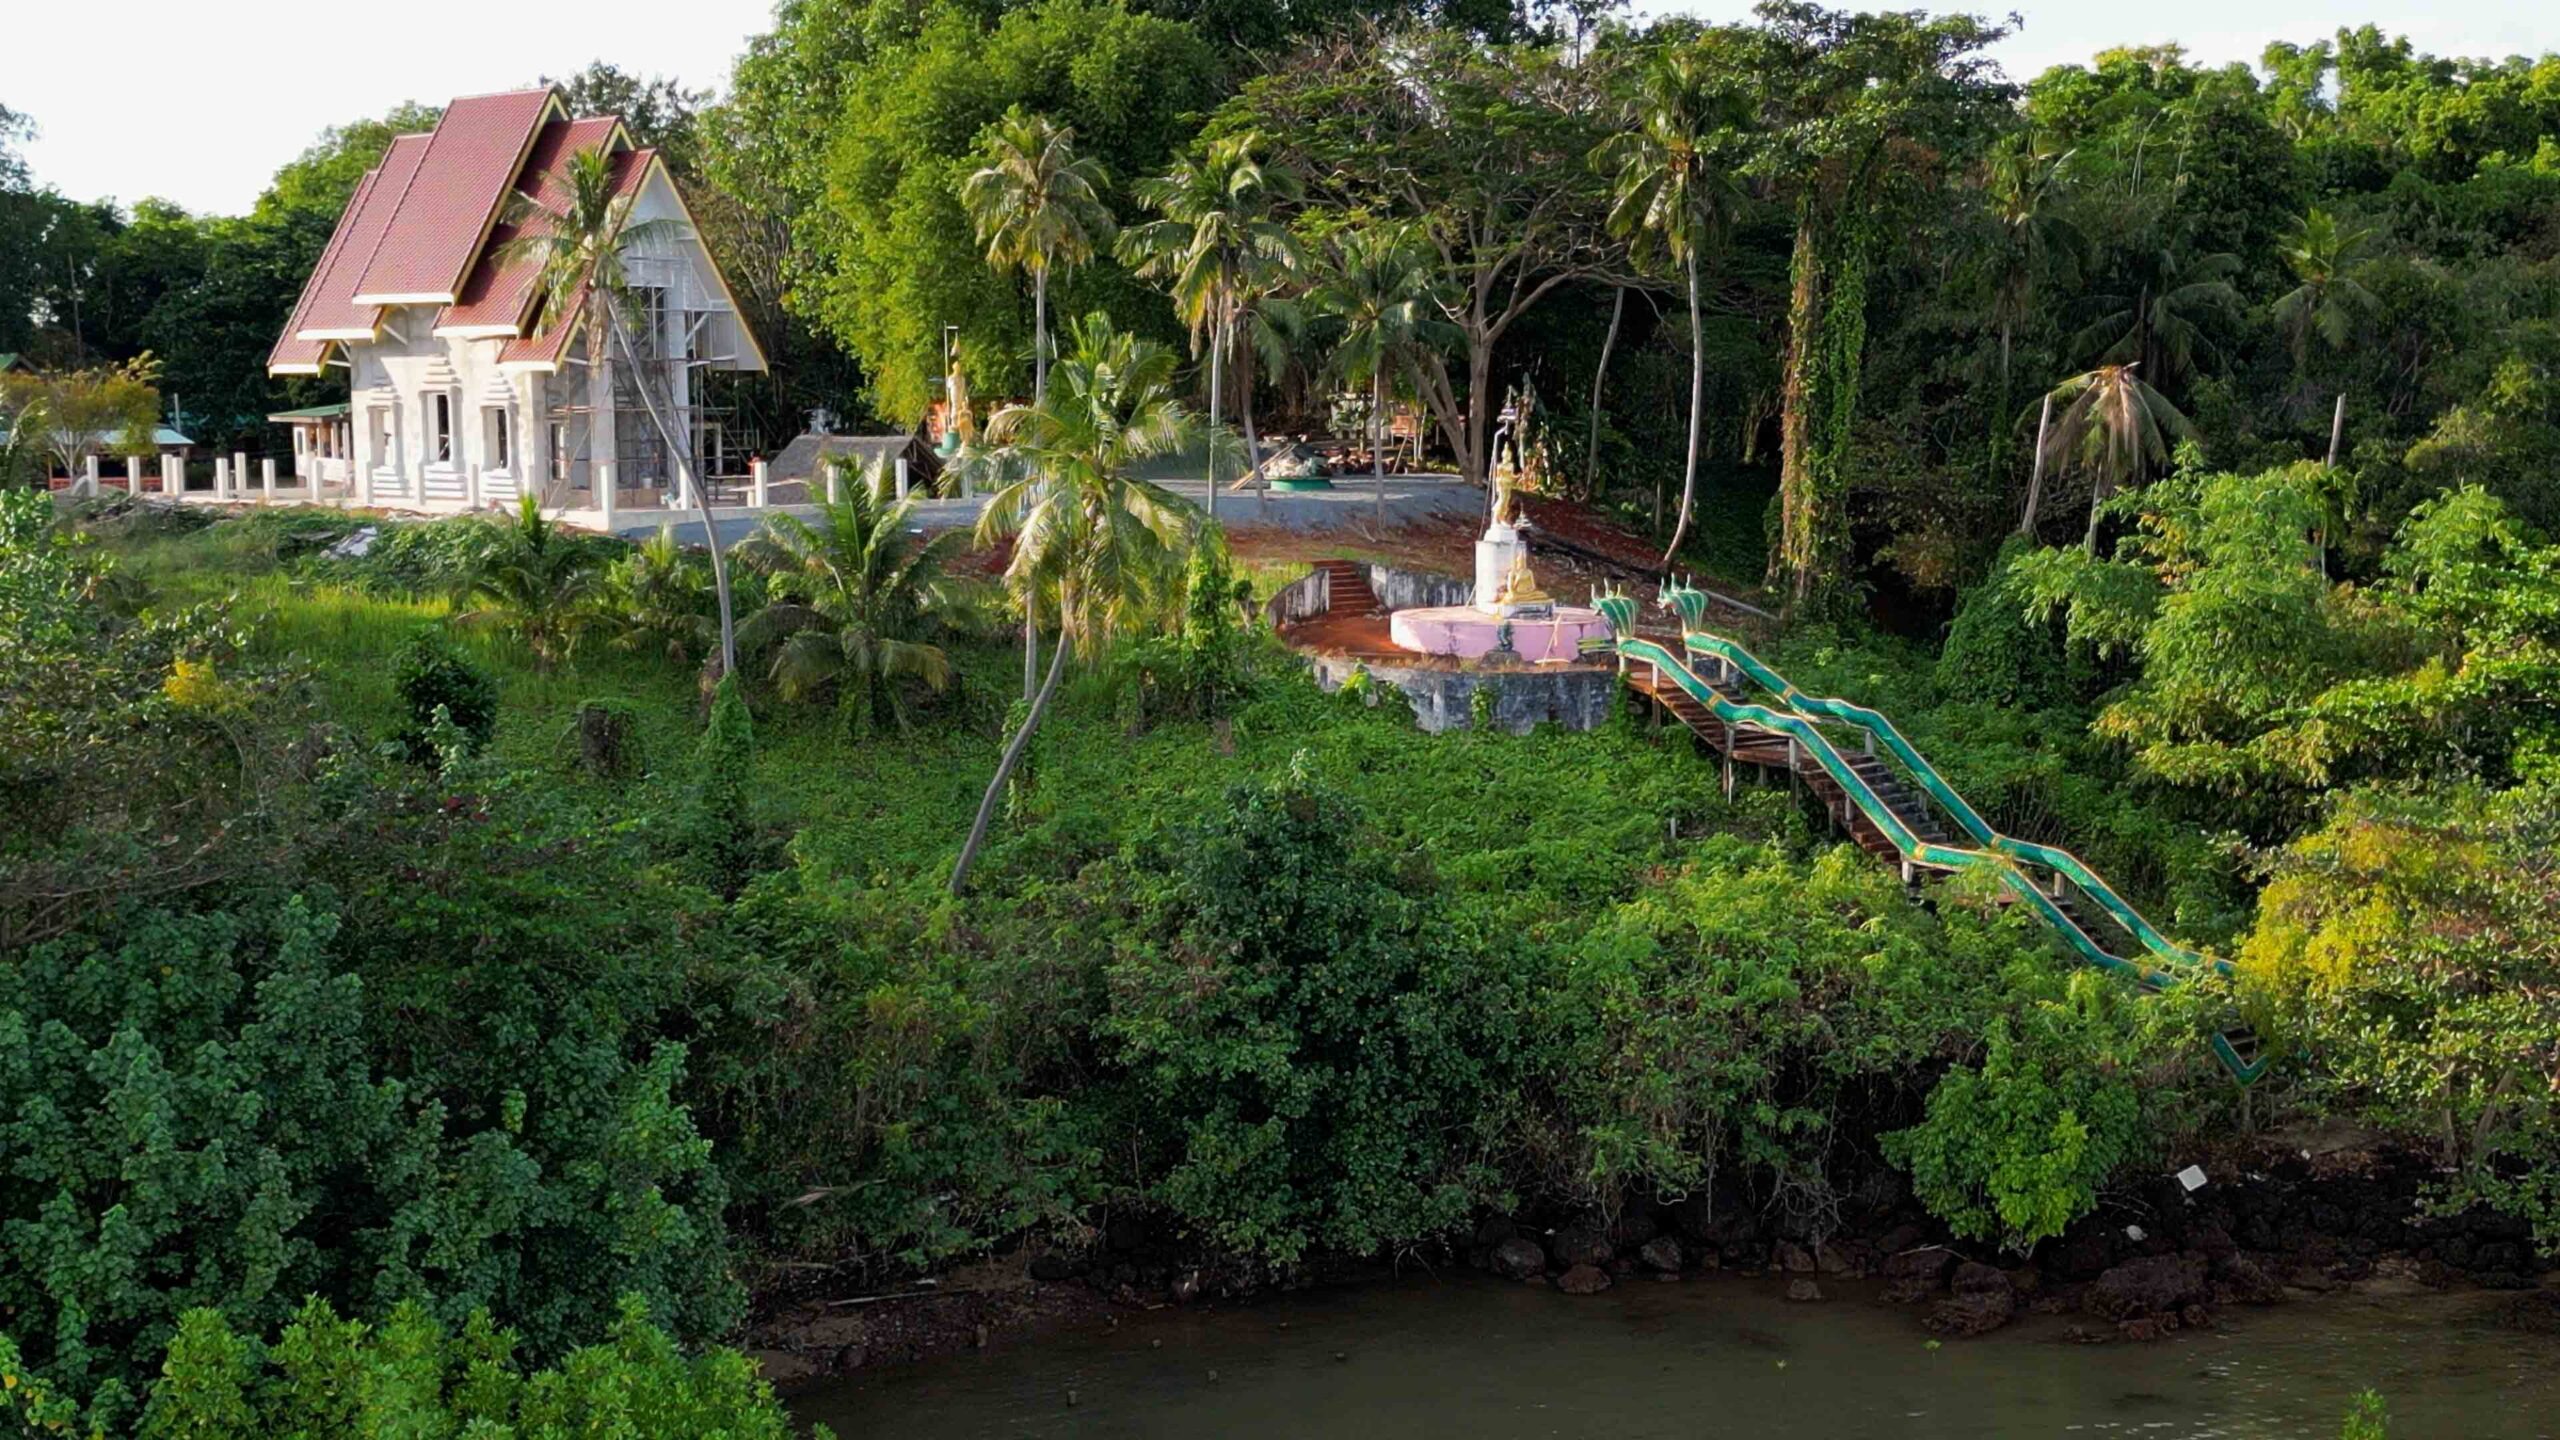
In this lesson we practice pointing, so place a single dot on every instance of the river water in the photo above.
(1470, 1357)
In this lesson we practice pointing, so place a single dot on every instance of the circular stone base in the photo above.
(1466, 633)
(1301, 482)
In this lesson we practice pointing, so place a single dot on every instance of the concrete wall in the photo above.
(1577, 699)
(1416, 589)
(1300, 599)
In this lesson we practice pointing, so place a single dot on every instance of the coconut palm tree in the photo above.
(2158, 323)
(1670, 197)
(1085, 529)
(1372, 307)
(536, 583)
(1037, 204)
(2115, 427)
(1217, 247)
(859, 602)
(2323, 254)
(2024, 184)
(578, 249)
(657, 599)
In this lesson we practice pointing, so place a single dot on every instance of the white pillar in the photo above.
(219, 483)
(87, 480)
(759, 476)
(902, 477)
(471, 486)
(239, 476)
(267, 479)
(173, 475)
(835, 482)
(601, 472)
(132, 476)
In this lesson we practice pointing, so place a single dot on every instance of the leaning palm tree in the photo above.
(1670, 196)
(2115, 427)
(1216, 247)
(1037, 204)
(1104, 544)
(536, 583)
(1372, 304)
(2323, 254)
(859, 602)
(579, 250)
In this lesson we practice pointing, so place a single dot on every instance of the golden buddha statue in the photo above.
(1520, 587)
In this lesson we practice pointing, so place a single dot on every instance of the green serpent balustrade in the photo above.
(2001, 855)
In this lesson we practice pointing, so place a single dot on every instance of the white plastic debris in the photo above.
(2136, 1234)
(2192, 1177)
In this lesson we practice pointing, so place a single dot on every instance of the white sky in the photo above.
(199, 101)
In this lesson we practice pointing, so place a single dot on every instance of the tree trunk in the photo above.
(1599, 378)
(691, 484)
(1795, 422)
(2035, 475)
(2099, 489)
(1697, 412)
(1004, 770)
(1039, 392)
(1217, 377)
(1252, 441)
(1377, 441)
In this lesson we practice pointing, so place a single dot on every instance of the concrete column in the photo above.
(218, 485)
(172, 475)
(902, 477)
(132, 476)
(87, 480)
(835, 482)
(239, 475)
(759, 477)
(471, 486)
(600, 473)
(267, 479)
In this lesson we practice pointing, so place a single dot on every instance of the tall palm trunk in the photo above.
(1697, 411)
(2035, 475)
(1039, 391)
(692, 485)
(1217, 379)
(1004, 770)
(1252, 442)
(1377, 443)
(1599, 378)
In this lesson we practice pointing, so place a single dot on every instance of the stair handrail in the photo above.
(1910, 846)
(2051, 857)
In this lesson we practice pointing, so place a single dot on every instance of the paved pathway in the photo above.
(1351, 502)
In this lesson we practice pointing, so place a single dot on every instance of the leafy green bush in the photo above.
(1995, 655)
(429, 674)
(719, 834)
(323, 1376)
(1302, 1045)
(2014, 1148)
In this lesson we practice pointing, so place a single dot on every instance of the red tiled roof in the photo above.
(497, 296)
(443, 212)
(328, 307)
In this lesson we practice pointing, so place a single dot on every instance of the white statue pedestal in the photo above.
(1496, 554)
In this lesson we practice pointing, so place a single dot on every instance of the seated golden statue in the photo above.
(1520, 587)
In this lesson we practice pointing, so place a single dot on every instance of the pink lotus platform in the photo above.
(1466, 633)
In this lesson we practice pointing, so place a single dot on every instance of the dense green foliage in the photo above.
(410, 1376)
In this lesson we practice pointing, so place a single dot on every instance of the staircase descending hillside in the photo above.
(1895, 815)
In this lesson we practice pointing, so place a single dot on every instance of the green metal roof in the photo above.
(311, 412)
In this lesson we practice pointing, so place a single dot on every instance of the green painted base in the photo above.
(1309, 482)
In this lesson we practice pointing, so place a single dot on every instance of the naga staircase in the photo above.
(1890, 804)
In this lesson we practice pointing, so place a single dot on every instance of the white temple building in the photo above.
(464, 390)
